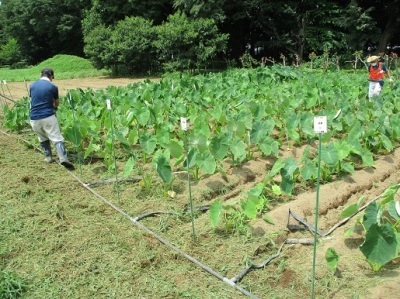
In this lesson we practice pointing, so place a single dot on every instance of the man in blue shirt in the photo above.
(44, 103)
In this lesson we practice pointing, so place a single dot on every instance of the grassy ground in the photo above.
(64, 66)
(62, 241)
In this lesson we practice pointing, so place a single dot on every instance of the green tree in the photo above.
(110, 12)
(212, 9)
(124, 48)
(97, 47)
(44, 28)
(360, 26)
(184, 44)
(132, 41)
(307, 25)
(386, 14)
(10, 52)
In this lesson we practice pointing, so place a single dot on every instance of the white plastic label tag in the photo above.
(108, 104)
(320, 124)
(183, 123)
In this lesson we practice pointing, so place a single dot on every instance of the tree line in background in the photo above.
(130, 36)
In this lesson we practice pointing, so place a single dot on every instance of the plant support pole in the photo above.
(113, 148)
(320, 126)
(184, 128)
(316, 218)
(8, 89)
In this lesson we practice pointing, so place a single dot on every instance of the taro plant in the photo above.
(17, 117)
(289, 171)
(381, 225)
(230, 214)
(332, 259)
(163, 166)
(236, 215)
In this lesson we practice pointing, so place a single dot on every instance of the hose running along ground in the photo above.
(233, 281)
(135, 220)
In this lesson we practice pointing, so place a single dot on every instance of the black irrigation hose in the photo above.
(151, 214)
(311, 227)
(138, 224)
(239, 277)
(257, 266)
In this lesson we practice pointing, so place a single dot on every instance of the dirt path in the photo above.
(17, 90)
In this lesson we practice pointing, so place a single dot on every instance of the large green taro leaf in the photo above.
(380, 245)
(164, 169)
(371, 215)
(309, 170)
(238, 149)
(215, 212)
(219, 147)
(330, 155)
(206, 162)
(148, 142)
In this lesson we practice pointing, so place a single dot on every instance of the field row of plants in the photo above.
(233, 116)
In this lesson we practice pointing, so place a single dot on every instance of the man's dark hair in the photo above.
(48, 72)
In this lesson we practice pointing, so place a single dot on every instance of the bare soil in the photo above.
(17, 90)
(65, 240)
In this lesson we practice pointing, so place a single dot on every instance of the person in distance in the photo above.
(377, 71)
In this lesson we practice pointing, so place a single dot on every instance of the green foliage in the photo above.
(184, 44)
(11, 286)
(42, 29)
(97, 49)
(332, 258)
(323, 27)
(134, 43)
(164, 169)
(381, 223)
(352, 209)
(10, 53)
(235, 216)
(233, 116)
(17, 118)
(201, 9)
(296, 29)
(126, 45)
(248, 61)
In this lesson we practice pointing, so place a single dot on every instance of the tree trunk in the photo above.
(301, 38)
(392, 27)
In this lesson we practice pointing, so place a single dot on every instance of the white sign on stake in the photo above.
(184, 123)
(320, 124)
(108, 104)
